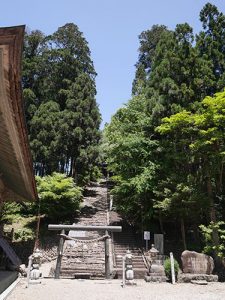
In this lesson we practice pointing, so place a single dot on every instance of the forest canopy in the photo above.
(166, 146)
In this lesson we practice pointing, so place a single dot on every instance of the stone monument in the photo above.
(197, 266)
(159, 243)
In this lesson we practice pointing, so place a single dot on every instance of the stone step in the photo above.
(89, 262)
(123, 251)
(136, 265)
(84, 253)
(75, 274)
(138, 260)
(134, 260)
(73, 268)
(77, 261)
(128, 241)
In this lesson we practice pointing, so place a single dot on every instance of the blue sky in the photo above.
(111, 28)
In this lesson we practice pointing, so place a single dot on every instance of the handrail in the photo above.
(146, 262)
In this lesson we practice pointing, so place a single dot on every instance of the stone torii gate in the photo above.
(64, 228)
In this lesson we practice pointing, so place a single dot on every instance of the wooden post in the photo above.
(59, 258)
(172, 267)
(124, 275)
(107, 261)
(29, 270)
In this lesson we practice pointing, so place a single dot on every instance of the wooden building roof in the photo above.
(17, 180)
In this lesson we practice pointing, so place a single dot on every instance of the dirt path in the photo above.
(65, 289)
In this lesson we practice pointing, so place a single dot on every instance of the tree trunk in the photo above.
(183, 233)
(71, 167)
(212, 212)
(196, 234)
(161, 222)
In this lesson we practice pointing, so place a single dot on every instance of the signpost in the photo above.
(172, 268)
(146, 238)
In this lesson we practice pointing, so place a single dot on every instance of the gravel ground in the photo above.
(66, 289)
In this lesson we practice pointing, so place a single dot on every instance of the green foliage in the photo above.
(61, 111)
(24, 234)
(210, 44)
(207, 233)
(166, 146)
(201, 137)
(60, 197)
(44, 127)
(20, 218)
(128, 155)
(148, 43)
(59, 201)
(167, 267)
(10, 212)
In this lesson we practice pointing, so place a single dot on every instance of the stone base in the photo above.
(155, 278)
(82, 275)
(130, 282)
(187, 277)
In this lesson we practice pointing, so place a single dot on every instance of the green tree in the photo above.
(44, 128)
(210, 43)
(79, 128)
(173, 75)
(205, 143)
(148, 43)
(33, 67)
(61, 109)
(129, 158)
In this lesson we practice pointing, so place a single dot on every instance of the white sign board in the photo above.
(147, 235)
(77, 233)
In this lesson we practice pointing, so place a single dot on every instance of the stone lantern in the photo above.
(156, 270)
(34, 273)
(129, 273)
(153, 253)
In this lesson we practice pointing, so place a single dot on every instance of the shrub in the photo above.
(59, 195)
(167, 267)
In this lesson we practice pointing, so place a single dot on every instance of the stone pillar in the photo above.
(107, 258)
(159, 243)
(60, 254)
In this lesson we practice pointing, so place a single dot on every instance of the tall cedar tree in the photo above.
(61, 110)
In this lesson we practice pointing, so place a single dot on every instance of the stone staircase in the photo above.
(126, 240)
(87, 259)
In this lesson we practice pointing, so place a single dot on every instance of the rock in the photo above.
(196, 263)
(155, 278)
(157, 269)
(186, 278)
